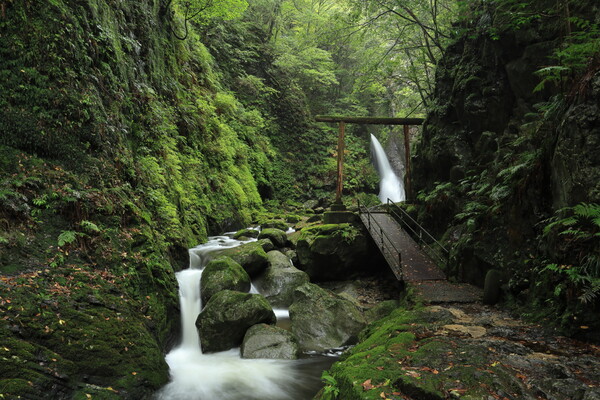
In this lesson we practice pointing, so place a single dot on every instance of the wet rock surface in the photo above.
(322, 320)
(220, 274)
(227, 316)
(280, 280)
(251, 256)
(266, 341)
(466, 350)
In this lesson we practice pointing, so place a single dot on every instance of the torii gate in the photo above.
(372, 121)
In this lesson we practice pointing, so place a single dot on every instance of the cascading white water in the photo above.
(221, 376)
(390, 186)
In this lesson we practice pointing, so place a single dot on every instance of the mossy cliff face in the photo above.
(106, 89)
(498, 158)
(118, 150)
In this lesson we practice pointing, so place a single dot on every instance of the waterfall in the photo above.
(225, 375)
(390, 186)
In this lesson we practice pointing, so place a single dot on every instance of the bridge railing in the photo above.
(386, 245)
(433, 247)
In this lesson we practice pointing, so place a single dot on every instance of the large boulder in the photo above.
(328, 252)
(277, 236)
(267, 341)
(266, 244)
(280, 280)
(251, 256)
(246, 233)
(322, 320)
(227, 316)
(220, 274)
(277, 224)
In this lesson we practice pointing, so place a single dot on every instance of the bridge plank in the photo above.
(415, 264)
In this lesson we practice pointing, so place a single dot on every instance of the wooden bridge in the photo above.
(416, 262)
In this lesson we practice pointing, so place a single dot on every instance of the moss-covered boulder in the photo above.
(328, 252)
(277, 236)
(251, 256)
(266, 244)
(220, 274)
(227, 316)
(276, 224)
(280, 280)
(267, 341)
(323, 320)
(246, 233)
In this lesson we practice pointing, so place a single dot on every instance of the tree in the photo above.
(203, 11)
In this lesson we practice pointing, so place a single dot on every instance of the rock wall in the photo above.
(497, 158)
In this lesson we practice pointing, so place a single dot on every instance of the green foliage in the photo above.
(575, 273)
(578, 32)
(330, 388)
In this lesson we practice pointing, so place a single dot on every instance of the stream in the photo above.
(225, 375)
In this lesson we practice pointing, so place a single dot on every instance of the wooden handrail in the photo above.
(443, 255)
(383, 234)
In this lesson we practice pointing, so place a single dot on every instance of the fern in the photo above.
(67, 237)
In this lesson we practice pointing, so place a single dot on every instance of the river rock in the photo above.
(227, 316)
(275, 224)
(250, 256)
(220, 274)
(280, 280)
(267, 341)
(266, 244)
(246, 233)
(323, 320)
(277, 236)
(331, 252)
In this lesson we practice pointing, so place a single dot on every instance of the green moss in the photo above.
(400, 353)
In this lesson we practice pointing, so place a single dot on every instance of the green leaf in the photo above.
(66, 237)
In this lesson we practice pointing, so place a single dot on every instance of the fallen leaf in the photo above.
(413, 374)
(367, 385)
(379, 368)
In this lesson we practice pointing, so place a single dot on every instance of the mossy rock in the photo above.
(322, 320)
(332, 252)
(220, 274)
(251, 256)
(292, 219)
(281, 225)
(401, 353)
(267, 341)
(246, 233)
(266, 244)
(280, 280)
(276, 236)
(227, 316)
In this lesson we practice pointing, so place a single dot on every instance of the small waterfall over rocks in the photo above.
(390, 186)
(225, 375)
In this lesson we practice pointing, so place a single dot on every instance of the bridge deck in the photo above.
(415, 264)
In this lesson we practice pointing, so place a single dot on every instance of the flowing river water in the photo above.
(225, 375)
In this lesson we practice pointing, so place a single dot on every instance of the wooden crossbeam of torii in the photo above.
(342, 121)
